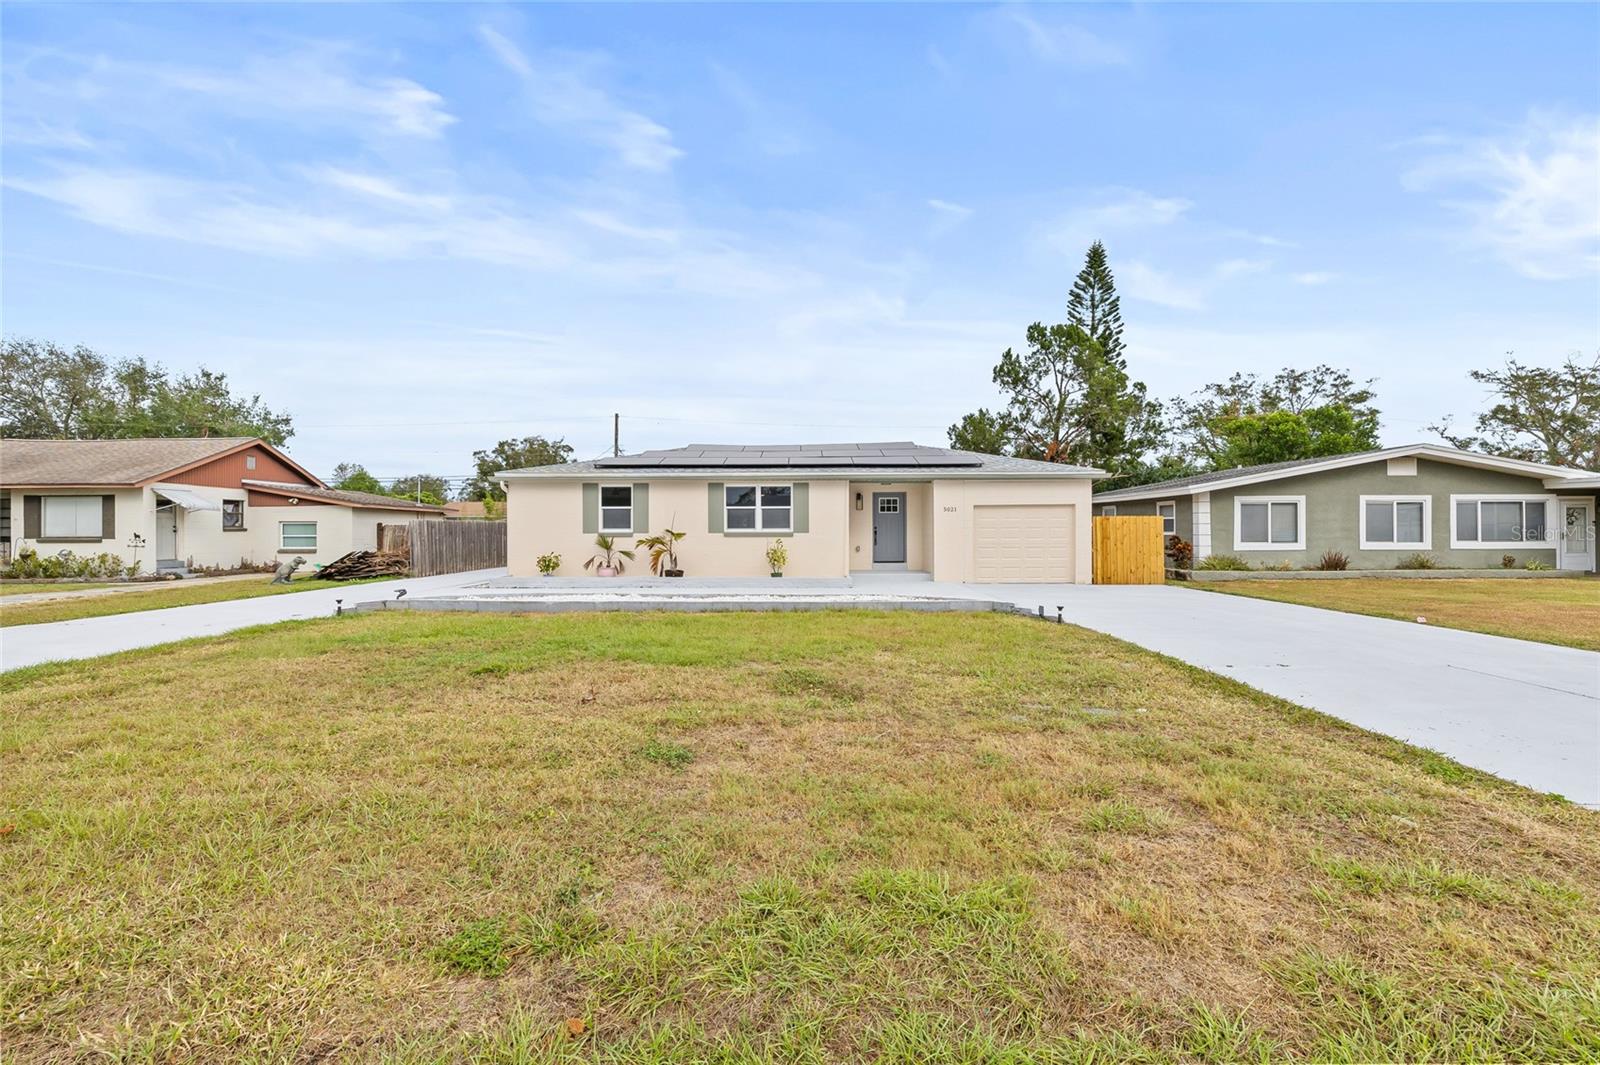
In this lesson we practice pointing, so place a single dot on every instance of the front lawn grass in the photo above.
(175, 593)
(1560, 611)
(758, 837)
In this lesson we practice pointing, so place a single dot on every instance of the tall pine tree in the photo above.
(1093, 305)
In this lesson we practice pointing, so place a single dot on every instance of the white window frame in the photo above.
(1425, 544)
(760, 511)
(97, 507)
(1108, 510)
(282, 525)
(600, 513)
(1300, 523)
(1173, 503)
(1548, 543)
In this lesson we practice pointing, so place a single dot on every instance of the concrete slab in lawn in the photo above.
(29, 645)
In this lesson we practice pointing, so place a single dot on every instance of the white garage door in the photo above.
(1023, 543)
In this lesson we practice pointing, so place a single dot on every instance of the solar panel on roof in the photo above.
(778, 456)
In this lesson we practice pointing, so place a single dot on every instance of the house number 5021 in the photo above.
(951, 510)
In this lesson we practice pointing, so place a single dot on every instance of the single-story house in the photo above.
(1466, 510)
(839, 508)
(201, 501)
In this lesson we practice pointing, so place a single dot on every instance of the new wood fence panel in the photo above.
(438, 546)
(1129, 550)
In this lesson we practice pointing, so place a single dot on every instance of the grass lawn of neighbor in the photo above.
(1550, 611)
(33, 588)
(158, 596)
(758, 837)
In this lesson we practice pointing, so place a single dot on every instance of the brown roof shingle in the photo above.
(339, 495)
(105, 462)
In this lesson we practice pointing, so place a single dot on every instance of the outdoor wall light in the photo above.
(858, 500)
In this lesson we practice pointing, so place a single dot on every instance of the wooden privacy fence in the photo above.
(1129, 550)
(438, 546)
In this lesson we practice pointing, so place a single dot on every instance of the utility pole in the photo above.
(616, 435)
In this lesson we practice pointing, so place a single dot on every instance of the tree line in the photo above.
(1069, 398)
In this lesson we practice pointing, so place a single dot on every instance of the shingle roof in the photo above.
(340, 496)
(105, 462)
(1188, 485)
(899, 459)
(1198, 479)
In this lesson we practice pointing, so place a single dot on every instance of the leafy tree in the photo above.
(1093, 305)
(429, 487)
(1296, 414)
(1539, 414)
(353, 477)
(1068, 396)
(1067, 403)
(47, 391)
(982, 431)
(512, 455)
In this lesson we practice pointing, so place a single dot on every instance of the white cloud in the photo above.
(1314, 277)
(1114, 211)
(560, 95)
(953, 211)
(379, 188)
(229, 216)
(774, 131)
(310, 86)
(1062, 42)
(1141, 281)
(1531, 196)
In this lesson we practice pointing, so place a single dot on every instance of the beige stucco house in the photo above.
(839, 508)
(177, 502)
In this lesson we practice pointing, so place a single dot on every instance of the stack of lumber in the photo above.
(361, 564)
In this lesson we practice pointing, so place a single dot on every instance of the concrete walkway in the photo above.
(28, 645)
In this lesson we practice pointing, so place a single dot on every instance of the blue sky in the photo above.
(425, 228)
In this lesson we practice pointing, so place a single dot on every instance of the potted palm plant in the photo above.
(777, 557)
(607, 561)
(663, 549)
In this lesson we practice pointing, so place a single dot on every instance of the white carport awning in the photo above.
(186, 499)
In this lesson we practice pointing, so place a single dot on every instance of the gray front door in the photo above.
(888, 526)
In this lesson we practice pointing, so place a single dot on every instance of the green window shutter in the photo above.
(714, 507)
(802, 507)
(641, 508)
(108, 517)
(591, 507)
(32, 520)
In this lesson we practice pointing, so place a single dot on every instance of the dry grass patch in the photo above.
(809, 837)
(1559, 611)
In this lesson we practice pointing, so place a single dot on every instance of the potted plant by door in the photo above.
(548, 563)
(777, 557)
(607, 561)
(663, 549)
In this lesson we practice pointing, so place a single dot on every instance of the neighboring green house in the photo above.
(1467, 511)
